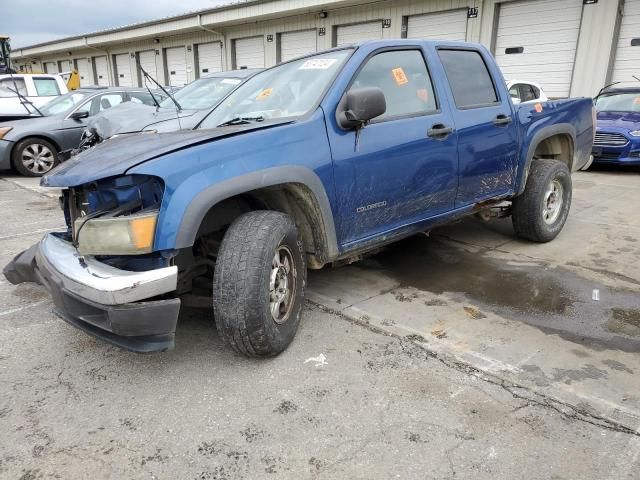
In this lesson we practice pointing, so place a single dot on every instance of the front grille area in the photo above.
(610, 139)
(606, 156)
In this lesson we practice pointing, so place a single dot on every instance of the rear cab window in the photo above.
(469, 78)
(403, 77)
(46, 87)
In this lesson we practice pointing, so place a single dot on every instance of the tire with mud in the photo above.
(540, 212)
(34, 156)
(258, 284)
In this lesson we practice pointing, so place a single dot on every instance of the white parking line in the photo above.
(19, 309)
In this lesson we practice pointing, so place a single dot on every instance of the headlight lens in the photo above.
(4, 131)
(635, 133)
(130, 235)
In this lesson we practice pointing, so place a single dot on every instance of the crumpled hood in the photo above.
(624, 120)
(132, 117)
(119, 154)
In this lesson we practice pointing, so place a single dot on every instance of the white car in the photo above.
(523, 92)
(37, 88)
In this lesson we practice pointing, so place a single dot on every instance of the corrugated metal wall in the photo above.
(268, 19)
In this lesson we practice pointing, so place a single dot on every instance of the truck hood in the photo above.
(132, 117)
(624, 120)
(117, 155)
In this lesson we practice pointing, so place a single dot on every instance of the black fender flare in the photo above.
(540, 136)
(214, 194)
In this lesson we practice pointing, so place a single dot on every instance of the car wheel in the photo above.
(33, 157)
(258, 284)
(540, 212)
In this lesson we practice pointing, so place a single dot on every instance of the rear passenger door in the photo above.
(487, 132)
(402, 167)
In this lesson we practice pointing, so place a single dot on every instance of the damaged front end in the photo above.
(102, 272)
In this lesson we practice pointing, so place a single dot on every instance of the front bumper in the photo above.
(5, 154)
(104, 301)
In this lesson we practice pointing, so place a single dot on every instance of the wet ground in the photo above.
(466, 354)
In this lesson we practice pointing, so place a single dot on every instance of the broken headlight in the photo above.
(126, 235)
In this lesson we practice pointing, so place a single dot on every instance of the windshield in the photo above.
(622, 102)
(288, 90)
(203, 93)
(63, 103)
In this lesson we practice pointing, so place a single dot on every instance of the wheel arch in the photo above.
(555, 141)
(28, 136)
(294, 190)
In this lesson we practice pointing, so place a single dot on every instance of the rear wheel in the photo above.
(258, 284)
(33, 157)
(541, 211)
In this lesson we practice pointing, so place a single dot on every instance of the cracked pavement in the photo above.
(395, 398)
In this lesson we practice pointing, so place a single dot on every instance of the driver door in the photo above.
(73, 128)
(397, 170)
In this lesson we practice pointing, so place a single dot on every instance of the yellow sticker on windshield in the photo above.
(399, 76)
(264, 93)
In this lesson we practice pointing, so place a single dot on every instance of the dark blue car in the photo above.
(617, 138)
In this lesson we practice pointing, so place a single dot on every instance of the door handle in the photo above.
(439, 131)
(502, 120)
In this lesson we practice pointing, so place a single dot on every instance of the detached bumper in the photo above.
(106, 302)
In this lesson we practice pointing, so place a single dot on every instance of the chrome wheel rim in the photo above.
(37, 158)
(282, 285)
(552, 202)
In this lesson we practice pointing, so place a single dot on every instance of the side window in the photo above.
(403, 77)
(144, 97)
(533, 92)
(108, 100)
(46, 87)
(514, 92)
(19, 83)
(469, 78)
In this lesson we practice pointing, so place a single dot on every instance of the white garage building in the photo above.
(571, 47)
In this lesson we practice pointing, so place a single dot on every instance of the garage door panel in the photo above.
(176, 64)
(439, 25)
(297, 44)
(209, 58)
(627, 58)
(84, 71)
(147, 60)
(249, 52)
(101, 70)
(51, 67)
(346, 34)
(549, 46)
(123, 70)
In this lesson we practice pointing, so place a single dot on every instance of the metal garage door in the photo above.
(360, 32)
(296, 44)
(451, 25)
(249, 52)
(176, 66)
(51, 67)
(147, 60)
(101, 70)
(627, 60)
(536, 40)
(123, 70)
(84, 70)
(209, 58)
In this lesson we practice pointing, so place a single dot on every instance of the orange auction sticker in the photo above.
(399, 76)
(264, 93)
(538, 107)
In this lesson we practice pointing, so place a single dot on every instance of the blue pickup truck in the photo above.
(314, 161)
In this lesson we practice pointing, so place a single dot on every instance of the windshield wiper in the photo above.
(24, 100)
(146, 74)
(241, 121)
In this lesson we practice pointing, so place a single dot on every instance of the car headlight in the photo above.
(4, 131)
(635, 133)
(127, 235)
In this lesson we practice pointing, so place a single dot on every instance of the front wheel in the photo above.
(540, 212)
(258, 284)
(33, 157)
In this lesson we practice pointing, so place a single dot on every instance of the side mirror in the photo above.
(79, 115)
(361, 105)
